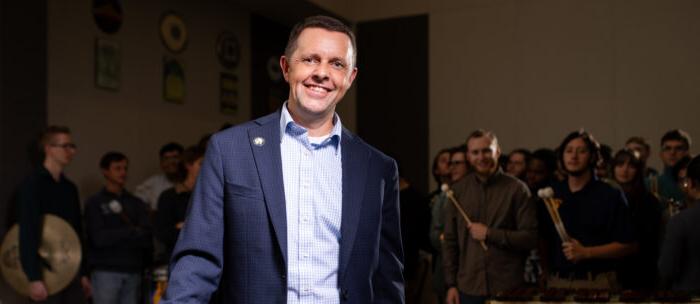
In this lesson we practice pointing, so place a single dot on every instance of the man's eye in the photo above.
(338, 65)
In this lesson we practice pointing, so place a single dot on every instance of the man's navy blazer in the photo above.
(235, 234)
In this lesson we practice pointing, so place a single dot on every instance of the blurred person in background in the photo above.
(638, 271)
(516, 165)
(150, 189)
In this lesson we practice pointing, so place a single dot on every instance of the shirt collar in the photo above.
(45, 172)
(289, 127)
(105, 192)
(491, 179)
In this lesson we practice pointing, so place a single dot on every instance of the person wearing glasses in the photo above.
(675, 145)
(458, 163)
(48, 191)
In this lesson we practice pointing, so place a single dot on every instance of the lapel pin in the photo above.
(259, 141)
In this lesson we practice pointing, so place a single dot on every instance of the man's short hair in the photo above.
(479, 133)
(111, 157)
(591, 143)
(48, 134)
(638, 140)
(324, 22)
(525, 152)
(171, 146)
(679, 135)
(461, 148)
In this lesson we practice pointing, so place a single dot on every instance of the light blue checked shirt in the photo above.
(313, 190)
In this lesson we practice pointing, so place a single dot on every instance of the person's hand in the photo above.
(37, 291)
(179, 225)
(574, 251)
(452, 296)
(87, 286)
(478, 231)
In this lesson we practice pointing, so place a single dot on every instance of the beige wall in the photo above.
(135, 119)
(534, 70)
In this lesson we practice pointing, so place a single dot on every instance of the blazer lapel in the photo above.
(265, 143)
(355, 158)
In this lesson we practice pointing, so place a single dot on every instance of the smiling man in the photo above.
(292, 207)
(502, 216)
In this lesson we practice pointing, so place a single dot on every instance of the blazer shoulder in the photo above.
(241, 130)
(374, 152)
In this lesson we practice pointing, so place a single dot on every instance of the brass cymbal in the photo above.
(59, 250)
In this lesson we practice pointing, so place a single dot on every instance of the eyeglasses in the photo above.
(674, 148)
(65, 146)
(456, 162)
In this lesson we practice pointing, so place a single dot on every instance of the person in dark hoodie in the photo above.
(119, 236)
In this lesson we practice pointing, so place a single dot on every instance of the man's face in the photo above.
(536, 172)
(60, 149)
(642, 150)
(672, 151)
(516, 165)
(116, 173)
(319, 72)
(483, 155)
(577, 157)
(169, 162)
(458, 166)
(442, 167)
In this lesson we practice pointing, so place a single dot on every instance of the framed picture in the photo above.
(107, 64)
(228, 83)
(173, 80)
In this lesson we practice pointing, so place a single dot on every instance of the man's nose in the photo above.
(320, 73)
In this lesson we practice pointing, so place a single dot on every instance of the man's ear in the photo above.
(353, 74)
(284, 65)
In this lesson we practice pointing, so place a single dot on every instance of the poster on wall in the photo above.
(228, 50)
(107, 64)
(173, 32)
(173, 80)
(228, 93)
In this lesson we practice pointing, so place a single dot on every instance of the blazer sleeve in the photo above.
(197, 259)
(388, 281)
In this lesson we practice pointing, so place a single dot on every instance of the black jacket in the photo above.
(118, 240)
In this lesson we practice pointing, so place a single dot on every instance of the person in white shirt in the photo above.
(150, 189)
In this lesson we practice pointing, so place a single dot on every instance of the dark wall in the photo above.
(22, 99)
(392, 92)
(267, 44)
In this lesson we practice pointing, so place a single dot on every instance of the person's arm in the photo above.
(671, 260)
(101, 235)
(388, 281)
(524, 236)
(166, 220)
(450, 245)
(621, 234)
(198, 257)
(574, 251)
(143, 221)
(29, 221)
